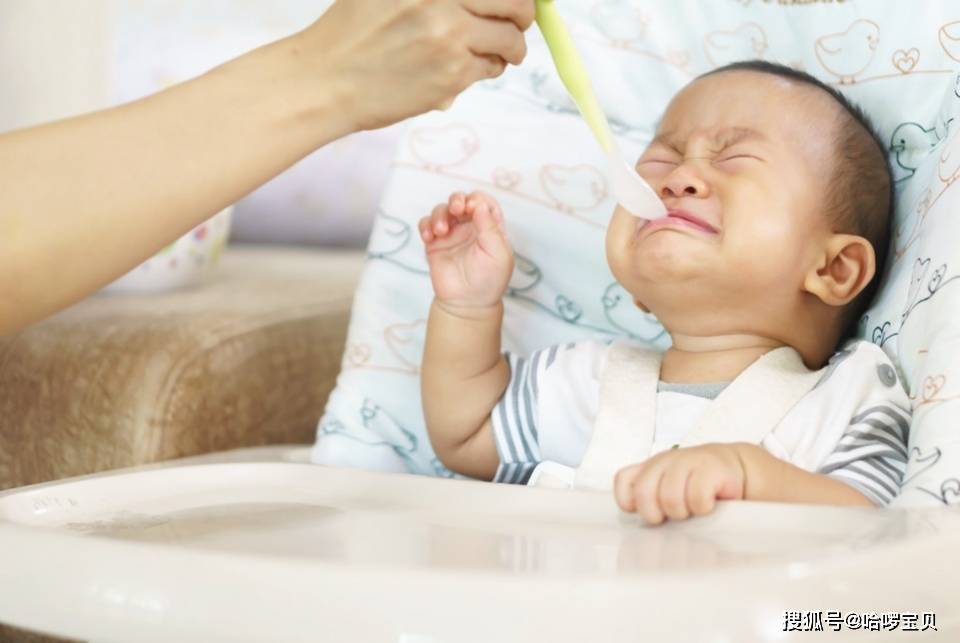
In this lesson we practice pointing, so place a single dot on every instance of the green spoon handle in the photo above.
(571, 70)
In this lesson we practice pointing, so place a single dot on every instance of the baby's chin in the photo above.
(664, 267)
(669, 263)
(670, 294)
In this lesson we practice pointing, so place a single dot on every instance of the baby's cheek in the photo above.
(621, 232)
(772, 226)
(763, 261)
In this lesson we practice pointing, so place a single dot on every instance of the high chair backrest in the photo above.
(519, 138)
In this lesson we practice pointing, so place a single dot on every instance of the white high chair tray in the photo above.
(281, 551)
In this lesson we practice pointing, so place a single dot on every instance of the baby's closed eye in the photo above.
(737, 157)
(723, 158)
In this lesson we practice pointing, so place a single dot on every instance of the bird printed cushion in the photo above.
(520, 138)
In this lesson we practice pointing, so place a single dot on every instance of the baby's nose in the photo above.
(683, 182)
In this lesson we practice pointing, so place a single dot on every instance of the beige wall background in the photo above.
(54, 57)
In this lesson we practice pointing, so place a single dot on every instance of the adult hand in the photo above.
(387, 60)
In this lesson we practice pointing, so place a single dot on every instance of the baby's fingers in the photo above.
(702, 492)
(491, 236)
(672, 491)
(457, 204)
(484, 218)
(646, 492)
(623, 487)
(478, 198)
(431, 228)
(441, 221)
(425, 232)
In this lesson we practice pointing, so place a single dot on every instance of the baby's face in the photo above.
(741, 161)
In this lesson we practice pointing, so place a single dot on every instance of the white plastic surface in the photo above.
(280, 551)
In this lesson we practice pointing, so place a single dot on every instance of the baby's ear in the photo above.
(846, 266)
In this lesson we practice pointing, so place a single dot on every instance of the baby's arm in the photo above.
(865, 468)
(681, 483)
(463, 372)
(771, 479)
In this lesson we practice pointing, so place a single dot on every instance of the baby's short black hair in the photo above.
(860, 193)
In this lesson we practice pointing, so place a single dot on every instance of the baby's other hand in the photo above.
(680, 483)
(468, 251)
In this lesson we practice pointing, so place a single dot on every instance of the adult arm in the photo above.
(86, 199)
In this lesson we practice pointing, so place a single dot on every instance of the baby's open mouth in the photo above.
(681, 219)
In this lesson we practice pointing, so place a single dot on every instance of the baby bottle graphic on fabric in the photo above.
(631, 191)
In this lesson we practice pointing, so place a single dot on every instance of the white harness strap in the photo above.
(623, 429)
(747, 411)
(754, 403)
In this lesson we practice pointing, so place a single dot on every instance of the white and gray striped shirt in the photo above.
(854, 426)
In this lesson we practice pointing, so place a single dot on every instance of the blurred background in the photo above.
(63, 57)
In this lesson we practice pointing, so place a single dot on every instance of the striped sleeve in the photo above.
(871, 456)
(514, 418)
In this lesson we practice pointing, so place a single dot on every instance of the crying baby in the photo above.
(779, 198)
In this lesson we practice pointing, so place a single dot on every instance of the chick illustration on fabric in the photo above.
(949, 35)
(572, 189)
(846, 55)
(745, 42)
(444, 146)
(623, 23)
(909, 144)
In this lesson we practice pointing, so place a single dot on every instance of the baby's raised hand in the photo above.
(680, 483)
(468, 252)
